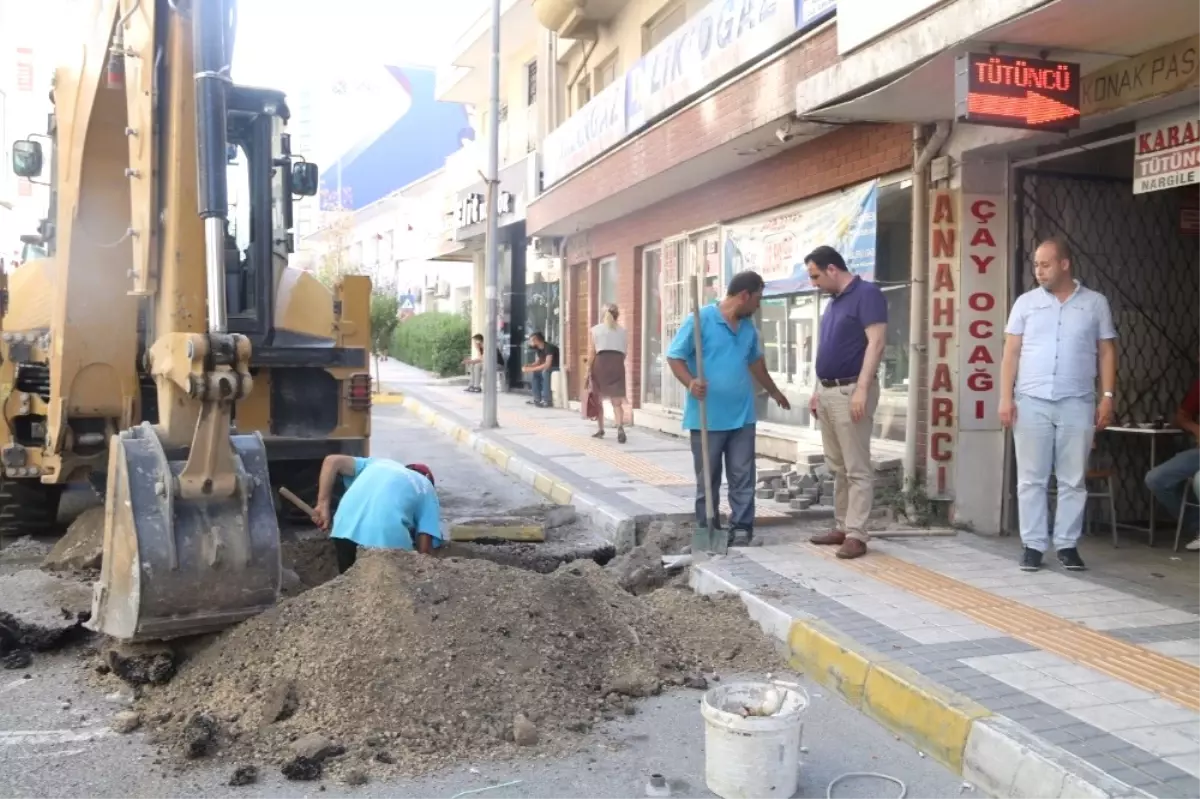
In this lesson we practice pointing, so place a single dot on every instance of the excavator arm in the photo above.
(191, 539)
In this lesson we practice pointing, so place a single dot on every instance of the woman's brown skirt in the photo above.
(608, 374)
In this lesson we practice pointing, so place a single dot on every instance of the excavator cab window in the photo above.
(240, 290)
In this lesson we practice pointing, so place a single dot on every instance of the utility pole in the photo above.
(492, 242)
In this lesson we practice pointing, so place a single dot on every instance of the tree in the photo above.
(385, 315)
(335, 247)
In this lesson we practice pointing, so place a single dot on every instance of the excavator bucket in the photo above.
(174, 566)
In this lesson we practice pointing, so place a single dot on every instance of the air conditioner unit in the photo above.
(533, 175)
(546, 246)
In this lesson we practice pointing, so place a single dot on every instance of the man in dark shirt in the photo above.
(1168, 480)
(540, 371)
(474, 364)
(849, 349)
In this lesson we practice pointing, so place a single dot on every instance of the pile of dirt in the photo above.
(421, 662)
(82, 548)
(24, 548)
(640, 570)
(311, 558)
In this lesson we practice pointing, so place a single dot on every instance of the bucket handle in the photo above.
(798, 688)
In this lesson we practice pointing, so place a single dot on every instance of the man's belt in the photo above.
(838, 381)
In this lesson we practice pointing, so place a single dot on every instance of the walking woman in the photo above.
(607, 348)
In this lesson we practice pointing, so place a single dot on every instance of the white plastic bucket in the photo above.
(753, 756)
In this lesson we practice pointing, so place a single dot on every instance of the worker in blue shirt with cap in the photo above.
(387, 505)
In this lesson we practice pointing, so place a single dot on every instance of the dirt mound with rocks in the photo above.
(421, 662)
(82, 548)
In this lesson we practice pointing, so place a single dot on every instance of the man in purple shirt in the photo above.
(850, 346)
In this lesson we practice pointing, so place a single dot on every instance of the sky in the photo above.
(286, 44)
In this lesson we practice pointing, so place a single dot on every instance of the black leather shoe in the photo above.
(1031, 561)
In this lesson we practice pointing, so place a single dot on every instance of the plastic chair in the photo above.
(1190, 487)
(1104, 477)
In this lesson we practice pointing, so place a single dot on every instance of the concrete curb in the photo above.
(995, 754)
(618, 529)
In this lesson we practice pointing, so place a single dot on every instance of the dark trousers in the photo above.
(734, 449)
(347, 553)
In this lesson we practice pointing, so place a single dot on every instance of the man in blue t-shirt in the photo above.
(850, 345)
(732, 355)
(387, 505)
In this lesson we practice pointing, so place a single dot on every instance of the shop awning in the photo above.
(1092, 34)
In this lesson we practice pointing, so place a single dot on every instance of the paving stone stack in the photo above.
(807, 488)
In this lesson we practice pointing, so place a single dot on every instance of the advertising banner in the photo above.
(719, 39)
(1167, 154)
(588, 132)
(775, 246)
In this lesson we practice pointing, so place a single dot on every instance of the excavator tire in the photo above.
(29, 507)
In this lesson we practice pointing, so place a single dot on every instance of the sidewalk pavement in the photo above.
(1050, 684)
(617, 485)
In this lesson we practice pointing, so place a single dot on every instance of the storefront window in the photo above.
(789, 324)
(608, 282)
(652, 347)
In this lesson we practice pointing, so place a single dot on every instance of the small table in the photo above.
(1148, 429)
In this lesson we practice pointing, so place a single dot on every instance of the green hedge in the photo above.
(436, 342)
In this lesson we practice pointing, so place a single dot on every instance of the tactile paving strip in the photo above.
(1169, 678)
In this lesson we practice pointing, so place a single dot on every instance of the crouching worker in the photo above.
(387, 505)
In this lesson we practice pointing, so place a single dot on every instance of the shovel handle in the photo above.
(705, 459)
(295, 500)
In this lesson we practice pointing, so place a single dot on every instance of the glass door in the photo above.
(676, 305)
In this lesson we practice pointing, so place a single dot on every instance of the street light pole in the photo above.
(491, 264)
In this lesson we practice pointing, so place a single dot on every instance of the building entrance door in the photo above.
(581, 314)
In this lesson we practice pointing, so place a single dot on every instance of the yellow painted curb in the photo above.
(561, 494)
(387, 399)
(543, 484)
(933, 719)
(826, 656)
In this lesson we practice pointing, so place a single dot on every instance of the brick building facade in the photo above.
(837, 159)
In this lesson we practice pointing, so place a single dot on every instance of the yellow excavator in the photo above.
(162, 347)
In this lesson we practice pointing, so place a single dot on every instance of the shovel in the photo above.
(707, 538)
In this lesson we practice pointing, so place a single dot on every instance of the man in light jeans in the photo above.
(1168, 480)
(1056, 335)
(851, 342)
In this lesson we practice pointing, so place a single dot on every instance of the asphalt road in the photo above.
(55, 739)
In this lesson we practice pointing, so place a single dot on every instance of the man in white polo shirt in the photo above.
(1057, 333)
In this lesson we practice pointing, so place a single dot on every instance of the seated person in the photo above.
(1168, 480)
(474, 364)
(541, 370)
(387, 505)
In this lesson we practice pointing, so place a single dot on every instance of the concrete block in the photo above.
(814, 512)
(815, 459)
(888, 465)
(808, 481)
(764, 493)
(502, 528)
(801, 503)
(769, 474)
(782, 495)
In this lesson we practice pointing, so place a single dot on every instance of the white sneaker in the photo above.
(1194, 544)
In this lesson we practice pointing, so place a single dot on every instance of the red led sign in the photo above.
(1016, 92)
